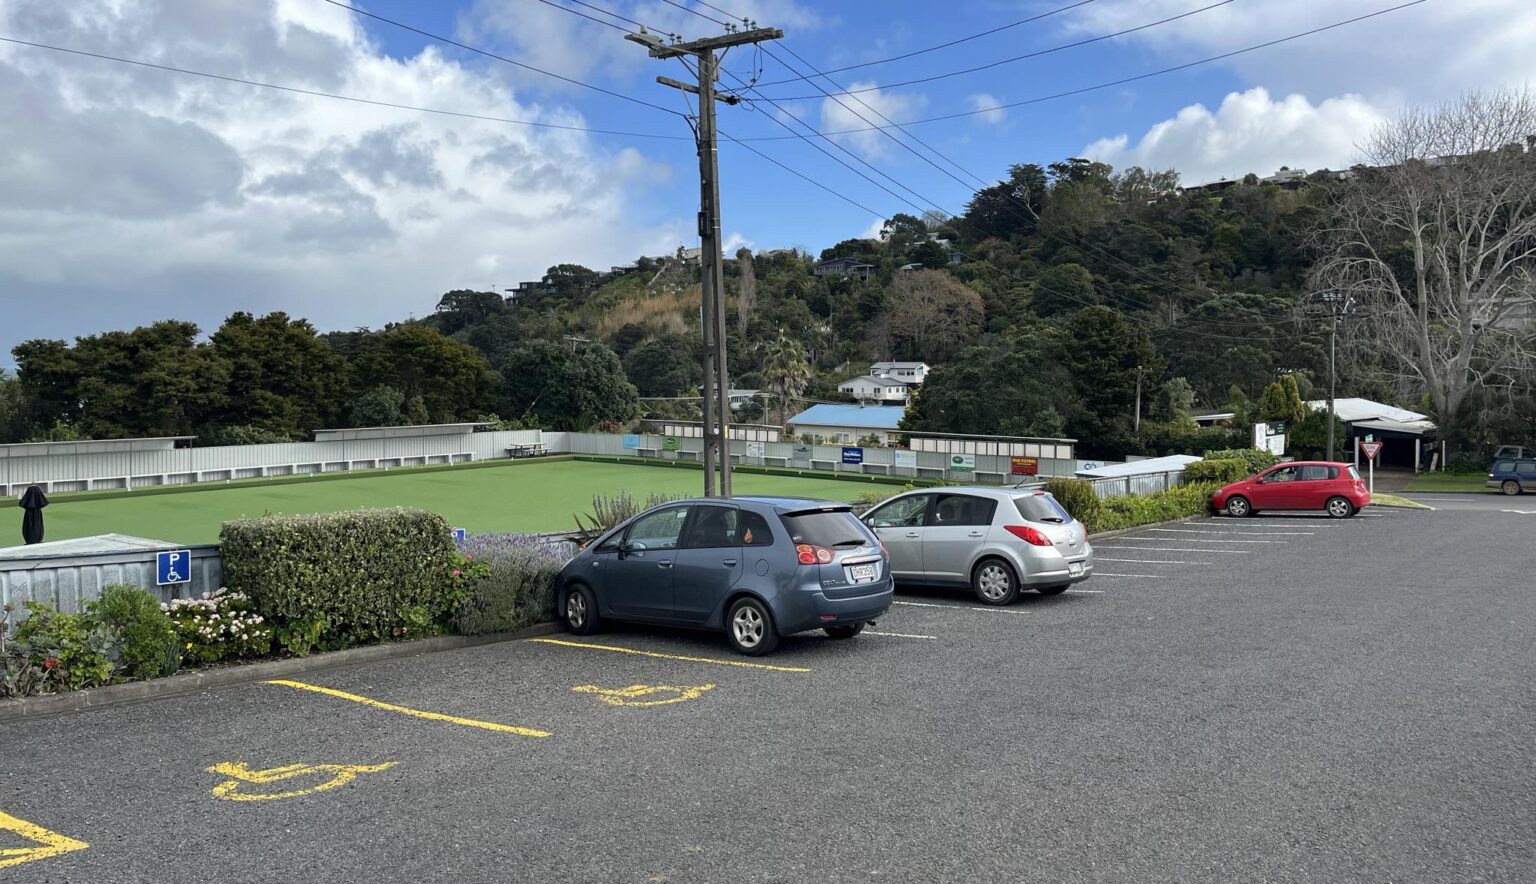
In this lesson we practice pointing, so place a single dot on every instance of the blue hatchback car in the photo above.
(1513, 475)
(755, 567)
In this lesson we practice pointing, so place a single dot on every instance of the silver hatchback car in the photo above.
(997, 541)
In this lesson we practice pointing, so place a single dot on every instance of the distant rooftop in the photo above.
(864, 417)
(94, 446)
(354, 433)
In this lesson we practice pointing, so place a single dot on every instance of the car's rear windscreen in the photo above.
(828, 529)
(1354, 474)
(1041, 508)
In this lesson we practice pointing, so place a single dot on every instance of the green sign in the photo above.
(670, 443)
(962, 463)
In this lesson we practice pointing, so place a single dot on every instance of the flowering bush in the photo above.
(509, 582)
(73, 649)
(219, 626)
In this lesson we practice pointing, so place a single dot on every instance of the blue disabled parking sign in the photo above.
(458, 535)
(174, 566)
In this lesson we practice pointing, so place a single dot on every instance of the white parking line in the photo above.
(962, 607)
(1095, 591)
(1197, 540)
(1138, 576)
(897, 634)
(1239, 533)
(1145, 562)
(1225, 552)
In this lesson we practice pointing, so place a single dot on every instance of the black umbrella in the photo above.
(33, 500)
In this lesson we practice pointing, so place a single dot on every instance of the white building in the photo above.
(881, 391)
(912, 373)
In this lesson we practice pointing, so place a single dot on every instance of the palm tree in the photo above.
(786, 371)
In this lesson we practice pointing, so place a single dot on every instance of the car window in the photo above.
(1504, 466)
(1316, 473)
(838, 528)
(905, 512)
(659, 530)
(963, 509)
(1041, 508)
(1525, 469)
(711, 526)
(1283, 474)
(1354, 473)
(754, 529)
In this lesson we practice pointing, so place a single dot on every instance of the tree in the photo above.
(551, 386)
(13, 418)
(1103, 353)
(1281, 402)
(1063, 288)
(1008, 207)
(462, 308)
(928, 316)
(379, 407)
(666, 366)
(452, 379)
(746, 290)
(1024, 386)
(1435, 242)
(787, 373)
(282, 377)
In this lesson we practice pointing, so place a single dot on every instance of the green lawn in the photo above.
(520, 497)
(1450, 483)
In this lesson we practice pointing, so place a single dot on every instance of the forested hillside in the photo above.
(1039, 308)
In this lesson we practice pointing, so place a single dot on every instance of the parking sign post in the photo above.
(1370, 448)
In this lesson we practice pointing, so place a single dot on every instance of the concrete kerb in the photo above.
(203, 679)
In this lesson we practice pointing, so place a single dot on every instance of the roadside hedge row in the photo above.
(1115, 513)
(1220, 471)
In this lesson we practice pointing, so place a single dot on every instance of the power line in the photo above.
(957, 42)
(1124, 80)
(314, 93)
(501, 58)
(1028, 55)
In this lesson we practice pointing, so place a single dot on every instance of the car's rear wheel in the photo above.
(1339, 507)
(842, 632)
(1510, 487)
(580, 610)
(1052, 590)
(750, 629)
(994, 582)
(1238, 507)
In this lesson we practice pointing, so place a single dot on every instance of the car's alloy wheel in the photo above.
(1510, 487)
(994, 583)
(750, 628)
(580, 610)
(1340, 508)
(1238, 507)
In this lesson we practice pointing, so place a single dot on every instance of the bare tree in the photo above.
(1434, 240)
(930, 315)
(746, 293)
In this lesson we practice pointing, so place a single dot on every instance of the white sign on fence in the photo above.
(754, 449)
(1265, 439)
(905, 460)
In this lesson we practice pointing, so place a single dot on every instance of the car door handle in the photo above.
(729, 563)
(912, 534)
(664, 564)
(975, 534)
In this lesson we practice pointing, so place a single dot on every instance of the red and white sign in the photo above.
(1370, 449)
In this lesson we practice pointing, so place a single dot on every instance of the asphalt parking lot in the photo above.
(1278, 698)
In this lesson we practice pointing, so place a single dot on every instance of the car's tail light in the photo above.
(1029, 534)
(883, 549)
(813, 555)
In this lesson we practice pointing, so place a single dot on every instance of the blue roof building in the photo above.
(848, 423)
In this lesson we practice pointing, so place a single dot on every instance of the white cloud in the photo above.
(1423, 53)
(864, 110)
(735, 242)
(873, 230)
(133, 195)
(1249, 132)
(989, 107)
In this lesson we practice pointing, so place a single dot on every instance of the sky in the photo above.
(130, 194)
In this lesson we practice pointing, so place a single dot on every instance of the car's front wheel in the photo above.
(580, 610)
(994, 582)
(1339, 507)
(1238, 507)
(842, 632)
(750, 629)
(1510, 487)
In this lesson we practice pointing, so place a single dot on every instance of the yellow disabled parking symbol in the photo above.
(644, 694)
(44, 842)
(243, 782)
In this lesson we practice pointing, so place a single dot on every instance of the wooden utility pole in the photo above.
(717, 384)
(1338, 306)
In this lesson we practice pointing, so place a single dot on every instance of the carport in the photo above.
(1408, 438)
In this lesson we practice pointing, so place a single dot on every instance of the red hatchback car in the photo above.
(1334, 488)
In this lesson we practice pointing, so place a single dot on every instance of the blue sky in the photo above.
(132, 195)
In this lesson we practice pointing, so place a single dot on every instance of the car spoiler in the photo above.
(819, 508)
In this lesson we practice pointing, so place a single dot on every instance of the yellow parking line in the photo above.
(742, 663)
(415, 713)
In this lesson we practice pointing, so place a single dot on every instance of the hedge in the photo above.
(348, 578)
(1078, 497)
(1255, 458)
(1114, 513)
(511, 582)
(1220, 471)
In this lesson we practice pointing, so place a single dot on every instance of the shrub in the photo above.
(144, 638)
(218, 626)
(608, 511)
(1220, 472)
(1253, 457)
(366, 572)
(511, 584)
(1143, 509)
(20, 674)
(1078, 497)
(74, 647)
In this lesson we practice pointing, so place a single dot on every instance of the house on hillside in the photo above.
(878, 390)
(911, 373)
(847, 424)
(844, 267)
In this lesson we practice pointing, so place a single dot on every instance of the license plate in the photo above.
(861, 573)
(1074, 569)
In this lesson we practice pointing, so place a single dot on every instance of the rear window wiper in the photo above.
(842, 543)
